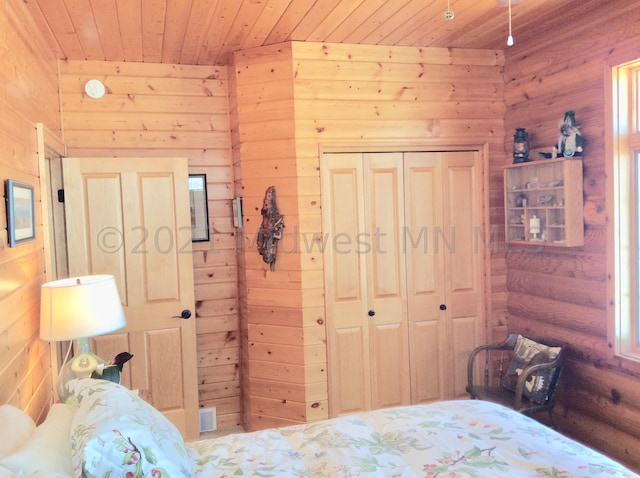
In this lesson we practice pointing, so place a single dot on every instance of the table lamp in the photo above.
(76, 309)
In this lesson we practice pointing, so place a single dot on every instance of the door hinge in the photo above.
(60, 195)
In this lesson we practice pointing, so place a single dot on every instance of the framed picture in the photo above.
(199, 207)
(21, 219)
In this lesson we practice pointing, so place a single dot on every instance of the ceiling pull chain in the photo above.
(510, 37)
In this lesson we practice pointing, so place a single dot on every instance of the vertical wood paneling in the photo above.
(28, 95)
(293, 100)
(562, 293)
(155, 109)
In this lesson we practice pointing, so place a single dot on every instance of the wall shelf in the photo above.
(548, 193)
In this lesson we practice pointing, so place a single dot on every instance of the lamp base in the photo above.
(81, 365)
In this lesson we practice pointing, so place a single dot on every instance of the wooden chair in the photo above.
(520, 373)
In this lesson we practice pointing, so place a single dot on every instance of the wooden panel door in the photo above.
(130, 218)
(365, 281)
(386, 280)
(425, 242)
(444, 216)
(345, 248)
(464, 260)
(403, 275)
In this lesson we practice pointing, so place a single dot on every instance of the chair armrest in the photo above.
(508, 344)
(529, 370)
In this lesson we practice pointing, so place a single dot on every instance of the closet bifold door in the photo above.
(403, 263)
(425, 275)
(386, 280)
(367, 335)
(443, 192)
(345, 283)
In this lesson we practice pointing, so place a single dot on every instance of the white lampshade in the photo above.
(80, 307)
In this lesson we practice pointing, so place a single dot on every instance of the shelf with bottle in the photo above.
(543, 202)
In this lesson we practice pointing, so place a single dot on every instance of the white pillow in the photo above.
(116, 433)
(48, 450)
(16, 427)
(7, 473)
(4, 473)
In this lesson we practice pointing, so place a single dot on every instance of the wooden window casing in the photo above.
(623, 245)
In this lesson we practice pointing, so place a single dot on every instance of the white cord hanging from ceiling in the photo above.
(448, 15)
(504, 3)
(510, 37)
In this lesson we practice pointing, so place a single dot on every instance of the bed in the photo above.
(107, 431)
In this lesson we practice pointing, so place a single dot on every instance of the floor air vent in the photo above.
(208, 420)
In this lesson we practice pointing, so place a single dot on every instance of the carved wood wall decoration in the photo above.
(271, 228)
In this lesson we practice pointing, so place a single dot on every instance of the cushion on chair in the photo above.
(529, 352)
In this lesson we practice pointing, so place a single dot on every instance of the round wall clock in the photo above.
(94, 88)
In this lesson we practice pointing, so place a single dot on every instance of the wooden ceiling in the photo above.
(197, 32)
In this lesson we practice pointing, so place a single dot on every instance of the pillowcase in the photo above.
(115, 433)
(7, 473)
(16, 428)
(48, 450)
(529, 352)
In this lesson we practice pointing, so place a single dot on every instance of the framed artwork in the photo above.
(21, 219)
(199, 207)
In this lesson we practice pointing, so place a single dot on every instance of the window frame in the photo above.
(622, 142)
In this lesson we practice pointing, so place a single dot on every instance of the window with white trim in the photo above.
(623, 240)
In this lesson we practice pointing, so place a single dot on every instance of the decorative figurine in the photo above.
(570, 141)
(534, 228)
(520, 146)
(113, 370)
(271, 228)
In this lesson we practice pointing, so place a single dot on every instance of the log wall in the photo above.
(293, 101)
(28, 95)
(561, 293)
(178, 111)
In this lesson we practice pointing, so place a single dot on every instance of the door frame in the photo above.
(482, 149)
(51, 149)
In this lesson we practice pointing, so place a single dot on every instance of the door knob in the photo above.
(443, 307)
(185, 314)
(372, 313)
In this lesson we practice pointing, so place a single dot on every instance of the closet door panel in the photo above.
(463, 243)
(465, 341)
(462, 200)
(345, 284)
(349, 366)
(384, 218)
(426, 360)
(425, 274)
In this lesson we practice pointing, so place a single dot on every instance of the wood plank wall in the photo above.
(28, 95)
(562, 293)
(292, 101)
(179, 111)
(271, 316)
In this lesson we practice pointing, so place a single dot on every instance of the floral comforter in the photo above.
(465, 438)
